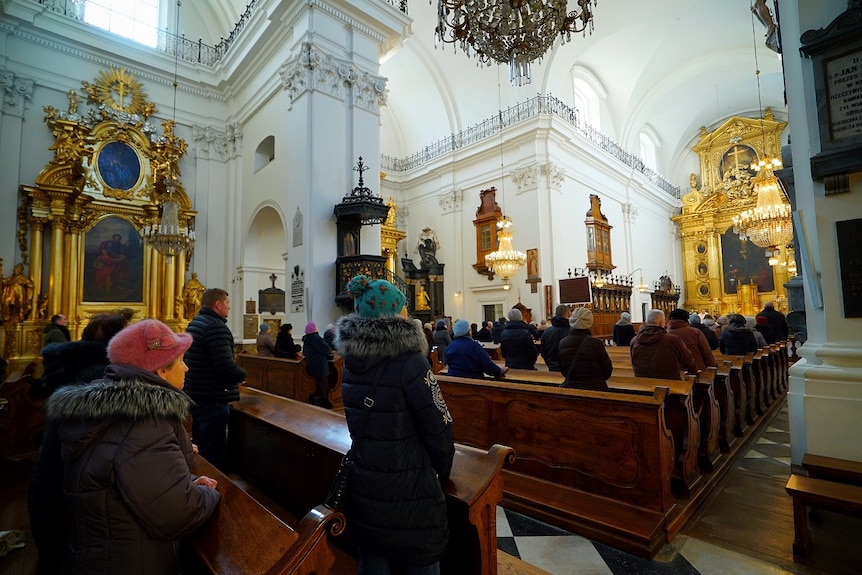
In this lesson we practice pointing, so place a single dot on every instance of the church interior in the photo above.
(275, 149)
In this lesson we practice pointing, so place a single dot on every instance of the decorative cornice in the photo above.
(17, 93)
(301, 7)
(87, 55)
(214, 144)
(315, 70)
(451, 201)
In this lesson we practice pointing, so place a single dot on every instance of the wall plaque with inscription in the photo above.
(844, 94)
(850, 259)
(836, 55)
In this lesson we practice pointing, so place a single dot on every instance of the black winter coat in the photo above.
(395, 503)
(593, 365)
(317, 353)
(213, 375)
(551, 339)
(737, 341)
(111, 490)
(73, 363)
(517, 347)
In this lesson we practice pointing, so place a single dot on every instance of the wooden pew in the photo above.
(22, 415)
(288, 377)
(689, 434)
(832, 468)
(595, 463)
(832, 484)
(291, 451)
(727, 403)
(224, 545)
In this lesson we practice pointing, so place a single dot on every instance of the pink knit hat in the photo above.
(310, 327)
(148, 344)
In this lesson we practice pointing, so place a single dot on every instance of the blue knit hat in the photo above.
(460, 328)
(375, 298)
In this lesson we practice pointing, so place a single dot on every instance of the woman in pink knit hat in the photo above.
(111, 490)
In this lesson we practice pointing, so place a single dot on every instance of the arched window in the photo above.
(137, 20)
(265, 153)
(648, 147)
(588, 97)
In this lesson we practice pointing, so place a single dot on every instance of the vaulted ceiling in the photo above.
(664, 65)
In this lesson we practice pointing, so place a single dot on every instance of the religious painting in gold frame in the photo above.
(113, 268)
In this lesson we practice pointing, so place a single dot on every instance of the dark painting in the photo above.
(119, 166)
(744, 263)
(850, 259)
(113, 263)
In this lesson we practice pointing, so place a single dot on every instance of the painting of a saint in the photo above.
(533, 263)
(744, 263)
(113, 263)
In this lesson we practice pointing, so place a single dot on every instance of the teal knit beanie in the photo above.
(375, 298)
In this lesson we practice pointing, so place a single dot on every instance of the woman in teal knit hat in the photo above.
(395, 502)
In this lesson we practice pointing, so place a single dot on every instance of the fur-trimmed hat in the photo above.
(460, 328)
(375, 298)
(582, 318)
(148, 344)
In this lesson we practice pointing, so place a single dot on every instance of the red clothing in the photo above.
(656, 353)
(695, 341)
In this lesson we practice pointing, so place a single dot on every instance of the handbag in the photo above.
(338, 490)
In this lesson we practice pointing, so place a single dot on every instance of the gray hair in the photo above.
(562, 310)
(515, 314)
(655, 317)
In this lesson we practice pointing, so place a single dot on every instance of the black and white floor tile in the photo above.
(561, 553)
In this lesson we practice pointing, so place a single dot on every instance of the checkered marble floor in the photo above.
(561, 553)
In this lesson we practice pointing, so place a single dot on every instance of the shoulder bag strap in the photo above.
(368, 403)
(575, 359)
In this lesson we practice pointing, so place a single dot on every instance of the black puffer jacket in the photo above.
(317, 353)
(551, 339)
(737, 340)
(213, 375)
(517, 347)
(395, 503)
(111, 490)
(593, 366)
(73, 363)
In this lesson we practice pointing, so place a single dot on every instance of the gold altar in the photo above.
(81, 224)
(722, 273)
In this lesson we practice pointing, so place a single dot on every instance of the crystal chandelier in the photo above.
(513, 32)
(769, 224)
(505, 261)
(166, 236)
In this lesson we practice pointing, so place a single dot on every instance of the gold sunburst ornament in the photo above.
(119, 90)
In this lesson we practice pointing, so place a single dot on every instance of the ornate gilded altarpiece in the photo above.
(81, 220)
(722, 273)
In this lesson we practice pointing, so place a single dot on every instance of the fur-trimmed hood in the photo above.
(364, 342)
(131, 398)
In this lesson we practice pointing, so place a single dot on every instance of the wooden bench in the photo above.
(288, 377)
(243, 537)
(822, 493)
(291, 451)
(594, 463)
(832, 468)
(681, 417)
(22, 416)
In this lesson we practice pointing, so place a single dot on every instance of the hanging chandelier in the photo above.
(513, 32)
(769, 224)
(166, 236)
(505, 261)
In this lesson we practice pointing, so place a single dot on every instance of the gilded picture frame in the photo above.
(113, 263)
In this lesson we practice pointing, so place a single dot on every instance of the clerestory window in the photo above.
(137, 20)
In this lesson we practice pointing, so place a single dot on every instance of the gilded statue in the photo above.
(17, 295)
(73, 102)
(422, 301)
(192, 293)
